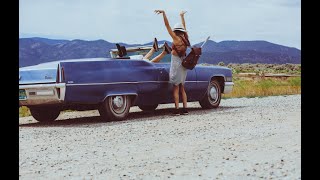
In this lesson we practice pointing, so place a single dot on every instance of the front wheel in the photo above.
(213, 96)
(45, 114)
(115, 107)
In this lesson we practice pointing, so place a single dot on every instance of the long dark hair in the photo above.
(181, 33)
(184, 36)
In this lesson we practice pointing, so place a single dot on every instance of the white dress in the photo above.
(177, 73)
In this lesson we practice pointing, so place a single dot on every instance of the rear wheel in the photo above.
(213, 96)
(45, 114)
(115, 107)
(148, 107)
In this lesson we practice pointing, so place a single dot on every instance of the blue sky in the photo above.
(134, 21)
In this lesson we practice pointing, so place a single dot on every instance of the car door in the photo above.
(165, 87)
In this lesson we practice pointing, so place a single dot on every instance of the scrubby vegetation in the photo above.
(264, 87)
(24, 111)
(291, 69)
(258, 85)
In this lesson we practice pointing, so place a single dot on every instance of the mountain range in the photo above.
(37, 50)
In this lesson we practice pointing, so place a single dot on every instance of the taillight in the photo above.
(58, 92)
(58, 75)
(62, 75)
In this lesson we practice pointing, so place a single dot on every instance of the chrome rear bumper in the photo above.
(43, 94)
(228, 87)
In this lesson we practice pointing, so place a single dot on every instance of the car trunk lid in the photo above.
(39, 74)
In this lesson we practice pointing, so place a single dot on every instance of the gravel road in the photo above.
(245, 138)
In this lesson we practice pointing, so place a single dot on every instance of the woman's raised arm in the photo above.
(166, 23)
(182, 19)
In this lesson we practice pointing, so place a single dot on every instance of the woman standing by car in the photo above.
(178, 73)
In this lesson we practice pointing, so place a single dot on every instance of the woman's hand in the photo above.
(159, 11)
(182, 13)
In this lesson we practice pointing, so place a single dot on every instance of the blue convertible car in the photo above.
(112, 86)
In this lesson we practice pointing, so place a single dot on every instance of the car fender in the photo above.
(128, 93)
(212, 77)
(217, 75)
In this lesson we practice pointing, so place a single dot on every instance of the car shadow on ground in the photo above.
(157, 114)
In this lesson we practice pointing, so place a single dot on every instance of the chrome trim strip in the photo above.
(36, 69)
(140, 82)
(228, 86)
(62, 93)
(36, 86)
(228, 83)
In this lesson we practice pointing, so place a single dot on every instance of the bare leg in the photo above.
(149, 54)
(176, 96)
(159, 57)
(184, 95)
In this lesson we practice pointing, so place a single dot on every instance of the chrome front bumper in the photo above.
(43, 94)
(228, 87)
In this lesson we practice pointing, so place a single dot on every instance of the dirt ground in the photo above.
(245, 138)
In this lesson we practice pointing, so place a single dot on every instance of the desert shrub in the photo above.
(24, 111)
(221, 63)
(266, 83)
(295, 81)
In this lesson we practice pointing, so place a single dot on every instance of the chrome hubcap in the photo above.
(119, 104)
(213, 93)
(118, 101)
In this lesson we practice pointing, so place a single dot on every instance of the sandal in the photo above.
(167, 48)
(119, 50)
(155, 44)
(122, 51)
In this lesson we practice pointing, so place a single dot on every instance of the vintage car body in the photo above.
(112, 86)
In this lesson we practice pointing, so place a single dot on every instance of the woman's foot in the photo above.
(122, 51)
(184, 111)
(155, 45)
(167, 48)
(176, 112)
(120, 54)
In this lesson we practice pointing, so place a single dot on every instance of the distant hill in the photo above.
(249, 52)
(48, 41)
(38, 50)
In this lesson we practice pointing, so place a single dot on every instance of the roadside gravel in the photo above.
(245, 138)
